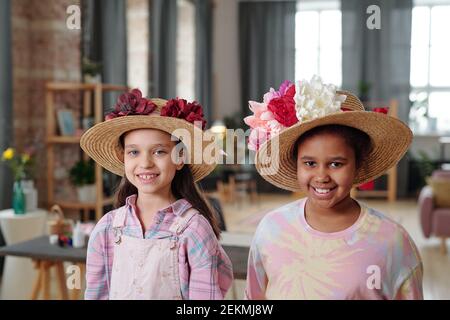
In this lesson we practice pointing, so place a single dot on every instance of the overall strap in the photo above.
(118, 224)
(182, 221)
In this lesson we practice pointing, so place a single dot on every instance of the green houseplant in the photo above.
(425, 166)
(82, 176)
(91, 71)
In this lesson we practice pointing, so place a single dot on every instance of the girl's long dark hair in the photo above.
(182, 187)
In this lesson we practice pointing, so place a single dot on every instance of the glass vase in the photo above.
(18, 198)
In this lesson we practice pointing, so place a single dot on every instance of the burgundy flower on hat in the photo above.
(180, 108)
(131, 103)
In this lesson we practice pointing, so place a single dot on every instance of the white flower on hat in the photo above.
(315, 99)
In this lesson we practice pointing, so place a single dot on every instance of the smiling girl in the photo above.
(161, 241)
(328, 245)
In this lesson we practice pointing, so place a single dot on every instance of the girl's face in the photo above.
(148, 162)
(325, 169)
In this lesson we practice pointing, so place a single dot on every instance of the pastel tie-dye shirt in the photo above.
(375, 258)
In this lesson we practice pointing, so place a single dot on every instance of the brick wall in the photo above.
(43, 49)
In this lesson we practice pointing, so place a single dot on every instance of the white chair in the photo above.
(18, 273)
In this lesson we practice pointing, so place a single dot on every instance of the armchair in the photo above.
(435, 220)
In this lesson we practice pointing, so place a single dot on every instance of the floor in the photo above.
(243, 217)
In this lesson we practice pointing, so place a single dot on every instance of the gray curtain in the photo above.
(6, 102)
(267, 47)
(163, 43)
(104, 30)
(203, 56)
(6, 108)
(379, 57)
(105, 40)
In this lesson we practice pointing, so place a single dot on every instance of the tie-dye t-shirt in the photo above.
(375, 258)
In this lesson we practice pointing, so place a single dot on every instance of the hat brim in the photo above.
(101, 142)
(281, 169)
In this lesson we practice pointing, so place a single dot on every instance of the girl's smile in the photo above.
(147, 177)
(326, 169)
(148, 161)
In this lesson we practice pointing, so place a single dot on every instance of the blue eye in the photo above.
(160, 152)
(133, 153)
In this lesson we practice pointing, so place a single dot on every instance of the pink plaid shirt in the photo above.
(205, 269)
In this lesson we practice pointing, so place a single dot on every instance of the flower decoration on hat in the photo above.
(132, 103)
(291, 104)
(189, 111)
(315, 99)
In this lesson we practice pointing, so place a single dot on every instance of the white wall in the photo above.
(430, 145)
(226, 76)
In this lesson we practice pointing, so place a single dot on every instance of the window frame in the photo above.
(319, 7)
(428, 88)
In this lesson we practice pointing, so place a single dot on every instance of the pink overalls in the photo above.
(146, 268)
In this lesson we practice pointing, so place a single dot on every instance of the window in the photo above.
(138, 44)
(430, 63)
(138, 47)
(186, 50)
(318, 39)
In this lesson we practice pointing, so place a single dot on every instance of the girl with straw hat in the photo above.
(312, 138)
(161, 241)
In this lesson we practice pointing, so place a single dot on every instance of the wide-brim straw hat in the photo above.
(101, 142)
(389, 136)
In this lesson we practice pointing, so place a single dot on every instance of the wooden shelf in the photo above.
(91, 92)
(81, 205)
(63, 139)
(372, 193)
(391, 192)
(67, 86)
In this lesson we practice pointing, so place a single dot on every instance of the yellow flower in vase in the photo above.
(8, 154)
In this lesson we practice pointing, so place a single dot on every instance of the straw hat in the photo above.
(389, 136)
(101, 142)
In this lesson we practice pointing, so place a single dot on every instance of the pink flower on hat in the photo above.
(274, 114)
(262, 122)
(272, 94)
(257, 137)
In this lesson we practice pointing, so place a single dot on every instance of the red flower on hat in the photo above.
(180, 108)
(283, 108)
(381, 110)
(131, 103)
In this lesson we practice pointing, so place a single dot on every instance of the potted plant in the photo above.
(425, 165)
(82, 176)
(91, 71)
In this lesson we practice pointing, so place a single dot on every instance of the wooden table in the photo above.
(46, 256)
